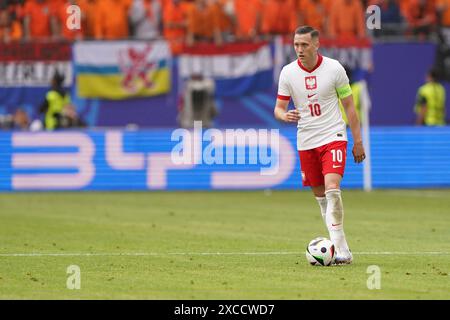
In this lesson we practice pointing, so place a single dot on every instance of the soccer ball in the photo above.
(320, 252)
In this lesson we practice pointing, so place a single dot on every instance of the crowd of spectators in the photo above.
(188, 21)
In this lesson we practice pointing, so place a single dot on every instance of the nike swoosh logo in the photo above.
(335, 225)
(311, 95)
(334, 167)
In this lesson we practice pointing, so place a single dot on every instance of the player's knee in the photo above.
(319, 191)
(319, 194)
(332, 186)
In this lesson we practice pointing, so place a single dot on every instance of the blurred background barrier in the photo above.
(118, 84)
(402, 157)
(245, 74)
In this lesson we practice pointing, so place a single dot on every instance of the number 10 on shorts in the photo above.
(337, 155)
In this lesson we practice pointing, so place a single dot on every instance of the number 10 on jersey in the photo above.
(315, 109)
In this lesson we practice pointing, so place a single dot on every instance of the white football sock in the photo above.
(335, 219)
(323, 207)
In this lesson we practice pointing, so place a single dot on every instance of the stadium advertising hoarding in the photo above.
(147, 160)
(143, 160)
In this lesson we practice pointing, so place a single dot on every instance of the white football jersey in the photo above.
(315, 95)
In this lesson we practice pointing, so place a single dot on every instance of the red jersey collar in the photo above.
(319, 62)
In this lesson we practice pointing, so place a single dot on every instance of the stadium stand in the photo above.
(200, 27)
(212, 20)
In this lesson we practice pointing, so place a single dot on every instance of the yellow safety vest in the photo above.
(56, 104)
(434, 95)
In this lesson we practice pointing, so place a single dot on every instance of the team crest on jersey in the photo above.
(311, 83)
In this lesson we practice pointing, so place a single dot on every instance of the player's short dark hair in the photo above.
(307, 29)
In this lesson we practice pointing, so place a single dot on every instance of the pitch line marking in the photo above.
(149, 254)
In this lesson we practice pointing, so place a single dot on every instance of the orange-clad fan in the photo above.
(443, 7)
(420, 14)
(403, 4)
(11, 18)
(248, 18)
(201, 24)
(167, 3)
(88, 17)
(278, 17)
(16, 27)
(4, 25)
(314, 13)
(175, 23)
(62, 17)
(224, 15)
(111, 22)
(347, 19)
(38, 21)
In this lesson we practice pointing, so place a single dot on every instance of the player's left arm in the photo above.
(350, 110)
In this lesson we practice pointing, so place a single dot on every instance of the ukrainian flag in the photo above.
(122, 70)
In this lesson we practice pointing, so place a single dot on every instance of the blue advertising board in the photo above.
(406, 157)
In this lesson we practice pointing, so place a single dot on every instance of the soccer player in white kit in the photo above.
(315, 84)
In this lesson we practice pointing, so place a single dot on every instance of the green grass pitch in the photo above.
(220, 245)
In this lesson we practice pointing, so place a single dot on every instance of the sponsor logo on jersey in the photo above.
(311, 83)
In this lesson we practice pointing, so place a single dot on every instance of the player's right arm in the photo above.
(284, 96)
(282, 114)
